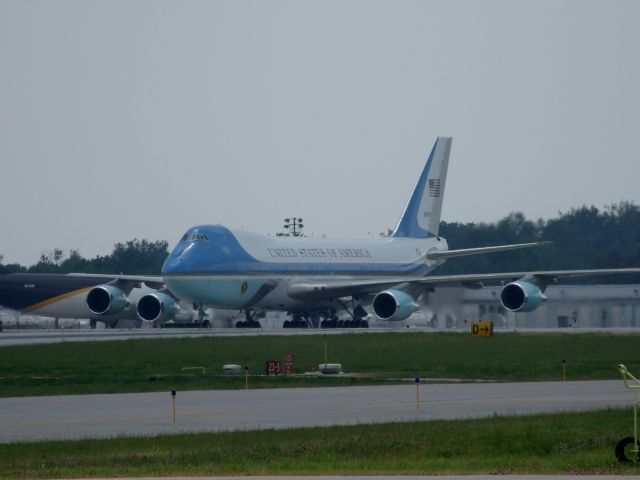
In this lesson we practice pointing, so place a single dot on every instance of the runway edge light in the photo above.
(173, 399)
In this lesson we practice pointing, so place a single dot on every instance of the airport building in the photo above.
(567, 306)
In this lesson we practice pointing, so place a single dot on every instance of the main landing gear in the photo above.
(250, 321)
(327, 319)
(357, 313)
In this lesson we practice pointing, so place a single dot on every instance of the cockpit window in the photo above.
(193, 237)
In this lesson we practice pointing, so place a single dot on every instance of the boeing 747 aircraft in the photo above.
(214, 266)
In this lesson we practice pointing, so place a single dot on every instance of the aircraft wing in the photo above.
(326, 289)
(155, 282)
(482, 250)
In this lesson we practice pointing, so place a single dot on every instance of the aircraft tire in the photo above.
(206, 324)
(111, 323)
(624, 451)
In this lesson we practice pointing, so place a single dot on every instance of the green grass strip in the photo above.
(155, 364)
(576, 443)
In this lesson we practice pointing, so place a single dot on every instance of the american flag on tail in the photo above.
(434, 187)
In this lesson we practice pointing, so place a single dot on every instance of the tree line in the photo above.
(134, 257)
(582, 238)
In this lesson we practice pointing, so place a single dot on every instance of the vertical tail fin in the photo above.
(421, 217)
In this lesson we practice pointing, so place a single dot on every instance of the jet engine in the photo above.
(521, 296)
(157, 307)
(394, 305)
(106, 300)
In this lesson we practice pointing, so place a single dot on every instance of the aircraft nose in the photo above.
(175, 261)
(171, 264)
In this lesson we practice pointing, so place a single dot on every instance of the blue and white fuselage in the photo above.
(214, 266)
(217, 266)
(223, 268)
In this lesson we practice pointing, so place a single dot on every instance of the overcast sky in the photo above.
(123, 119)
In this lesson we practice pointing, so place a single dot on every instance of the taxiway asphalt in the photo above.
(30, 337)
(82, 416)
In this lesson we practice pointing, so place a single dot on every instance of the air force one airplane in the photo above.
(213, 266)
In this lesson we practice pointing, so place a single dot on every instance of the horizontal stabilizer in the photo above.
(442, 255)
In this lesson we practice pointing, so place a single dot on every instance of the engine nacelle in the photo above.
(106, 300)
(394, 305)
(157, 307)
(521, 296)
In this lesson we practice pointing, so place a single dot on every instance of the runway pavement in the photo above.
(79, 416)
(30, 337)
